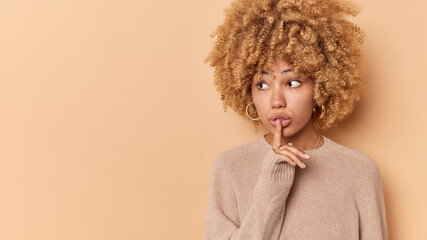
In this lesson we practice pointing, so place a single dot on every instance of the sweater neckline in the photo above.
(327, 145)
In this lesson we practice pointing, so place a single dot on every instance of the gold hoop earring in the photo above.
(317, 116)
(247, 113)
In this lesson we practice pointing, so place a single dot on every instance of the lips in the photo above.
(284, 119)
(280, 115)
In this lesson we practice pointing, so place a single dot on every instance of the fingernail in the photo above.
(306, 155)
(290, 144)
(303, 164)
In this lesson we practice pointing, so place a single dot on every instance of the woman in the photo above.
(293, 66)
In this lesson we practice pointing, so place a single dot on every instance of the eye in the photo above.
(296, 83)
(261, 83)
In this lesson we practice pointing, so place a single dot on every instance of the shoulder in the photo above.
(357, 158)
(239, 150)
(239, 154)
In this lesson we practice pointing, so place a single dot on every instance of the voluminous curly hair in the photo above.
(313, 36)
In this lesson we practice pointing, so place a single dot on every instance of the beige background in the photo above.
(110, 121)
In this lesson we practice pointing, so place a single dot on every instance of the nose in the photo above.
(278, 98)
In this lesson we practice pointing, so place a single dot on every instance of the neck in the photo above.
(305, 139)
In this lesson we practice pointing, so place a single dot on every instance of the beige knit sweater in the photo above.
(256, 195)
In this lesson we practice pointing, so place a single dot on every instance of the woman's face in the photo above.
(286, 94)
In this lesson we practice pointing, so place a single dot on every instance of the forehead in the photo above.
(279, 66)
(279, 69)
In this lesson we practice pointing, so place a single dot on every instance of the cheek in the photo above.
(258, 100)
(301, 103)
(260, 104)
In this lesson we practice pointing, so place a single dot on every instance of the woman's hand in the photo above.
(287, 152)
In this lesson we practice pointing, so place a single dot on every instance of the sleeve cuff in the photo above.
(276, 169)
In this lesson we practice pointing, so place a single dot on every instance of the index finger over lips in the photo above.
(277, 141)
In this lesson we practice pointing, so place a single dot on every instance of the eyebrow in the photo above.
(284, 71)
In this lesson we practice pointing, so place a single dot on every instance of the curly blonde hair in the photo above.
(312, 35)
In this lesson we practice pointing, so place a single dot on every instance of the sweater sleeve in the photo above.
(266, 213)
(373, 222)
